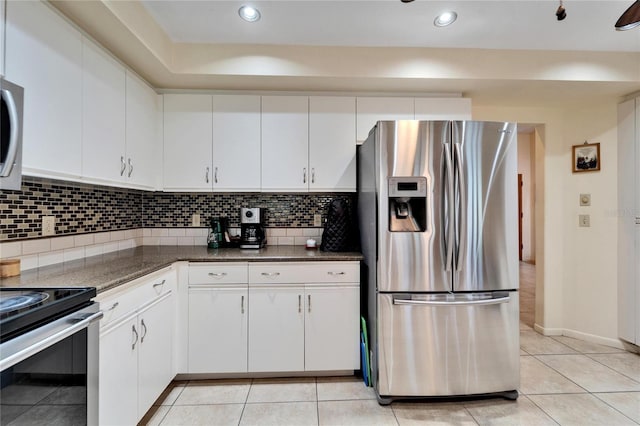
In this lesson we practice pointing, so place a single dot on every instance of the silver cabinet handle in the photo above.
(12, 152)
(638, 220)
(115, 305)
(215, 175)
(159, 284)
(144, 329)
(135, 332)
(304, 175)
(206, 175)
(299, 303)
(336, 273)
(130, 168)
(242, 304)
(313, 175)
(309, 304)
(123, 165)
(270, 274)
(217, 274)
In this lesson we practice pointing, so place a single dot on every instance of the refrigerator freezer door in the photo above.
(413, 261)
(486, 205)
(448, 344)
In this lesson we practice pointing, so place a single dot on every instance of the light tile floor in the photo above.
(564, 381)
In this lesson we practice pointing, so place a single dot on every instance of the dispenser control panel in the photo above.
(411, 186)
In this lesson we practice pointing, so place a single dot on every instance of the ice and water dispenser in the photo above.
(407, 204)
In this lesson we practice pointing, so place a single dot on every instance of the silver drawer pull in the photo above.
(336, 273)
(159, 284)
(115, 305)
(217, 274)
(270, 274)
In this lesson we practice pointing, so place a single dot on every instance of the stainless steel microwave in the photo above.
(11, 135)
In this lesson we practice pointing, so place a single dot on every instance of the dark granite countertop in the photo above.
(112, 269)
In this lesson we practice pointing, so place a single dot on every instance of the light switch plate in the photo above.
(584, 220)
(317, 220)
(195, 219)
(585, 199)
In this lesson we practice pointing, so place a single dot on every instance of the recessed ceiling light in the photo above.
(445, 18)
(249, 13)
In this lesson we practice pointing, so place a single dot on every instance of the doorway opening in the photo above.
(530, 178)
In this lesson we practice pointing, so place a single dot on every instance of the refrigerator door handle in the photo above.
(447, 206)
(462, 211)
(473, 302)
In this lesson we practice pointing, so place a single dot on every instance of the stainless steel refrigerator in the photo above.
(438, 218)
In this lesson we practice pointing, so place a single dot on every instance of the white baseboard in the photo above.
(614, 343)
(606, 341)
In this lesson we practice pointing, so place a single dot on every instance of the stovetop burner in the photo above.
(23, 309)
(10, 303)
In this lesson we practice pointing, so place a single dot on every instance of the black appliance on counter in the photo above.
(49, 345)
(252, 233)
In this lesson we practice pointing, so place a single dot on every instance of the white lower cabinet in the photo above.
(276, 329)
(136, 347)
(218, 329)
(304, 316)
(332, 328)
(273, 317)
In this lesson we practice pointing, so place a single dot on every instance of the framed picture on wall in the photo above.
(586, 157)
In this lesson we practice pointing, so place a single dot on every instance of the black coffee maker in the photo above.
(252, 235)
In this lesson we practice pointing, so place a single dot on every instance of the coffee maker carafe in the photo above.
(252, 235)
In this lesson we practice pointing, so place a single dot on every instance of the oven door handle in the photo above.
(17, 353)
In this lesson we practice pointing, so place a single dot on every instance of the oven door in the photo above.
(50, 374)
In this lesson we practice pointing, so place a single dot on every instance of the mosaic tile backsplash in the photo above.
(81, 208)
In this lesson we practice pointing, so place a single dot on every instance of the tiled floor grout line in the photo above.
(611, 406)
(541, 409)
(611, 368)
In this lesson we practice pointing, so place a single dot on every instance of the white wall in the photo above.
(576, 267)
(590, 286)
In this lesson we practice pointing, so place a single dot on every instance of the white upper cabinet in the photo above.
(443, 109)
(143, 135)
(188, 122)
(103, 116)
(44, 55)
(371, 110)
(236, 143)
(332, 143)
(285, 143)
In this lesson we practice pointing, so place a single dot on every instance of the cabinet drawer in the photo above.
(218, 273)
(304, 272)
(129, 297)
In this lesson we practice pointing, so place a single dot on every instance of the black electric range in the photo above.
(24, 309)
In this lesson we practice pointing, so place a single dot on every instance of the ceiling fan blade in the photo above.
(630, 18)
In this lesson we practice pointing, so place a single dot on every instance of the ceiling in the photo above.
(506, 24)
(508, 52)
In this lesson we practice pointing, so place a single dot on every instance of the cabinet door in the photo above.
(118, 384)
(44, 55)
(443, 109)
(236, 143)
(276, 329)
(155, 351)
(103, 115)
(144, 141)
(332, 143)
(372, 110)
(218, 329)
(332, 324)
(285, 143)
(187, 143)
